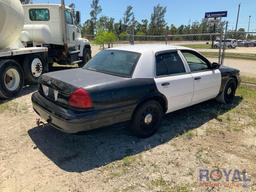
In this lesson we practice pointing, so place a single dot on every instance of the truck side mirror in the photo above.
(78, 17)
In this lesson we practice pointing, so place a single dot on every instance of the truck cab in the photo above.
(56, 27)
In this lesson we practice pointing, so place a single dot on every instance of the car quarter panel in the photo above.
(226, 73)
(123, 93)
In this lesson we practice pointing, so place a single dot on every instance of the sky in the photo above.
(178, 11)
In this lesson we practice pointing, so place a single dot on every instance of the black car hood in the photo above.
(82, 77)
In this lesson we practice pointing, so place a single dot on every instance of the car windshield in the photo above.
(114, 62)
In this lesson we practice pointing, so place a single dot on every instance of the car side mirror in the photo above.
(78, 17)
(215, 65)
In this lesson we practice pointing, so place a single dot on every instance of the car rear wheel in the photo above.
(146, 119)
(228, 95)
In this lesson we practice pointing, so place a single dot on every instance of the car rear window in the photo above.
(114, 62)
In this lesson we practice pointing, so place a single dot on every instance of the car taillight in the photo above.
(80, 98)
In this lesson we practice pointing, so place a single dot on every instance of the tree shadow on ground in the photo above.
(79, 153)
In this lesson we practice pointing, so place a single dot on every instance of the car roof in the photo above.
(154, 48)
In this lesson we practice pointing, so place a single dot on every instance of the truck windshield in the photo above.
(114, 62)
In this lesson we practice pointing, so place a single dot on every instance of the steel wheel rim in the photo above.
(148, 119)
(36, 67)
(11, 79)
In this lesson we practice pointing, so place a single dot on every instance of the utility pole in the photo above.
(249, 24)
(238, 14)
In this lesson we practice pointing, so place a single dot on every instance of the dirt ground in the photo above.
(207, 136)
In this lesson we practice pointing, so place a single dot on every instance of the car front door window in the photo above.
(195, 63)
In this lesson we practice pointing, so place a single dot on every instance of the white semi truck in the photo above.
(32, 38)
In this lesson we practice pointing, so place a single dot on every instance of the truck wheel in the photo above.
(34, 66)
(11, 79)
(229, 92)
(146, 119)
(86, 56)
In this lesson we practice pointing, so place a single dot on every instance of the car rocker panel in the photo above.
(119, 91)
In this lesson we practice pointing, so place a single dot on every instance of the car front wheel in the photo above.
(146, 119)
(227, 96)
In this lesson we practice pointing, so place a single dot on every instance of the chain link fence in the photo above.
(217, 43)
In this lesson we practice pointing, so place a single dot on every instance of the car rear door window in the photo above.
(195, 61)
(168, 64)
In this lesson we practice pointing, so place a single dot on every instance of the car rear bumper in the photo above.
(71, 121)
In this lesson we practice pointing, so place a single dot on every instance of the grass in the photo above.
(165, 186)
(198, 46)
(248, 79)
(189, 135)
(14, 107)
(247, 56)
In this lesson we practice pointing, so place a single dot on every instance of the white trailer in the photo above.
(32, 38)
(18, 64)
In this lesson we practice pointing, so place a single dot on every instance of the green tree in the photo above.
(87, 28)
(128, 18)
(157, 23)
(123, 36)
(105, 24)
(104, 37)
(96, 10)
(142, 26)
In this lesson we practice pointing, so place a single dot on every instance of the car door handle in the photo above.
(165, 84)
(197, 78)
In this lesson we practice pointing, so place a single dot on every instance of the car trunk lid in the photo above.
(58, 86)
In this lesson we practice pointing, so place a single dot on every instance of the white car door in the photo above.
(173, 80)
(207, 81)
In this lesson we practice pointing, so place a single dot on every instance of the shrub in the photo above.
(103, 38)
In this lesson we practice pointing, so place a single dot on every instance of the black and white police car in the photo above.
(136, 84)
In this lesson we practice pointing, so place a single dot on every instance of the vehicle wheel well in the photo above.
(87, 47)
(159, 99)
(234, 77)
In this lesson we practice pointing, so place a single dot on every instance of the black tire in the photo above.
(150, 111)
(86, 56)
(229, 92)
(34, 66)
(11, 79)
